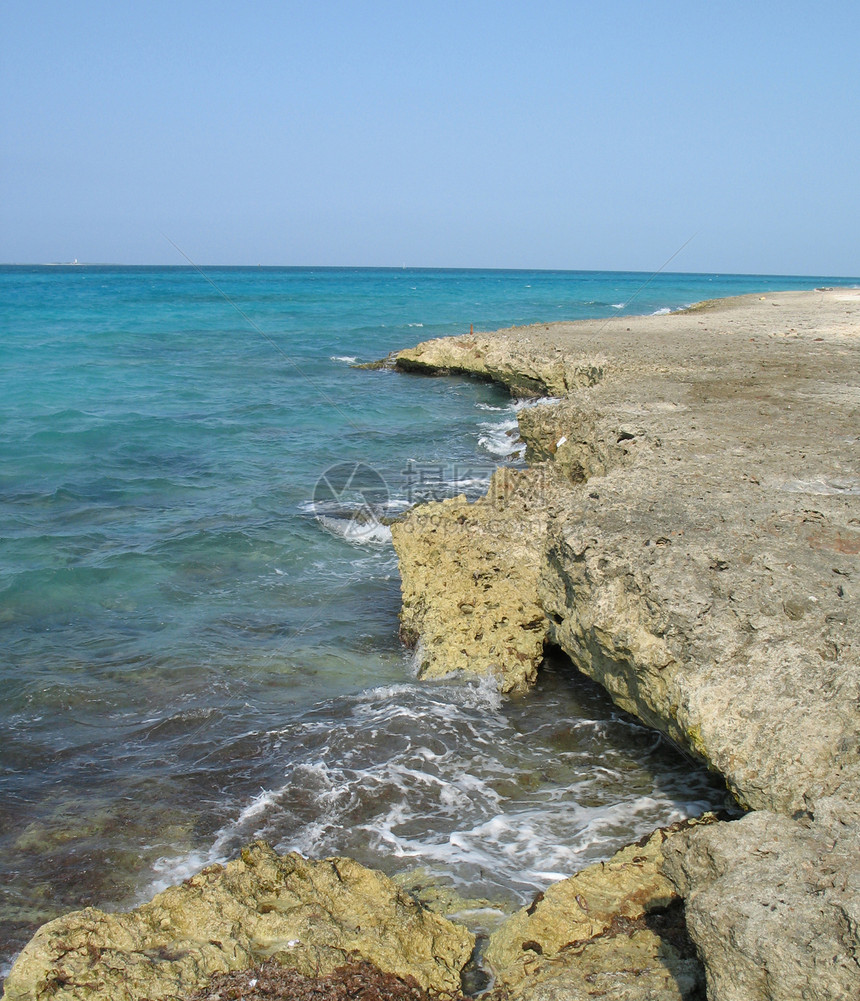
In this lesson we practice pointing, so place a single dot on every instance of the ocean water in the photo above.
(198, 595)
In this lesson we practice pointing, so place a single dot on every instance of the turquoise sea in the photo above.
(197, 647)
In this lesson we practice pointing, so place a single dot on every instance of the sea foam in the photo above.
(503, 798)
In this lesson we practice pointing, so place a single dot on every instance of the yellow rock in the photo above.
(469, 577)
(596, 930)
(310, 916)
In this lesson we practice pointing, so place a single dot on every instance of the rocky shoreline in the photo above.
(688, 533)
(689, 528)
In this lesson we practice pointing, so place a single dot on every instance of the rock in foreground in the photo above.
(773, 904)
(613, 930)
(310, 916)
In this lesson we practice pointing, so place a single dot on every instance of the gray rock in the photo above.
(773, 904)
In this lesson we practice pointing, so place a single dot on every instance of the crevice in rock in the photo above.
(475, 978)
(670, 924)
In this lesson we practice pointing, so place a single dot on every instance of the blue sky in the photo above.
(473, 134)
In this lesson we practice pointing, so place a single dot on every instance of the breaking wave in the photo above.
(501, 796)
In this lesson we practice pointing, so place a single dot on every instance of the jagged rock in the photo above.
(388, 362)
(567, 434)
(310, 916)
(699, 558)
(706, 570)
(773, 904)
(469, 576)
(613, 930)
(510, 362)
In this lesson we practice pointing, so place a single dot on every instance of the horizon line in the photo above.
(417, 267)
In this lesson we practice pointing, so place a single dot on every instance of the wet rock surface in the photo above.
(614, 930)
(308, 916)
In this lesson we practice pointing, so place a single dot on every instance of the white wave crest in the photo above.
(540, 401)
(356, 530)
(501, 440)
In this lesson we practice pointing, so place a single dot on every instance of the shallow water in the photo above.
(501, 795)
(199, 648)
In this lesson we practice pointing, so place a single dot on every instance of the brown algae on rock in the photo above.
(310, 916)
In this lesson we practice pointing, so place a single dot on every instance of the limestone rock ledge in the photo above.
(512, 364)
(694, 546)
(688, 534)
(614, 930)
(469, 578)
(310, 916)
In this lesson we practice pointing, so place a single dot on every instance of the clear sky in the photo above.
(466, 134)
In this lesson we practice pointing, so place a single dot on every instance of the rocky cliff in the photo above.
(689, 531)
(689, 534)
